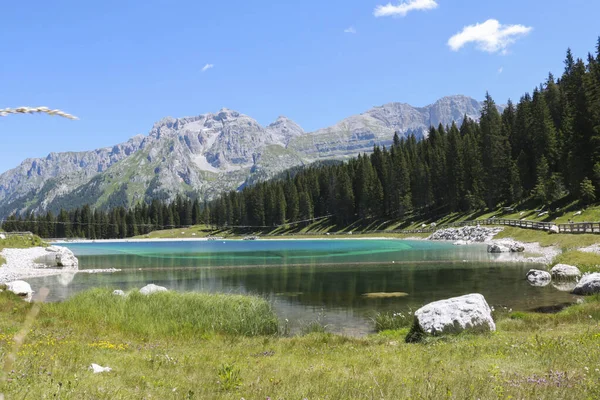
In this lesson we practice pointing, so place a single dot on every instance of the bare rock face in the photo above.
(152, 288)
(454, 315)
(564, 271)
(588, 284)
(209, 154)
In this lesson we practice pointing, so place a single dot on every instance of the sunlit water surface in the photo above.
(308, 280)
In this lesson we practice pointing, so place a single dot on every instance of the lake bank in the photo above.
(545, 356)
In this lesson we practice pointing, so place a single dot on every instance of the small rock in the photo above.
(469, 312)
(588, 284)
(2, 236)
(118, 293)
(538, 277)
(20, 288)
(497, 248)
(152, 288)
(577, 213)
(98, 369)
(564, 271)
(554, 229)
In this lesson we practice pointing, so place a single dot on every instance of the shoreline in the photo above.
(24, 263)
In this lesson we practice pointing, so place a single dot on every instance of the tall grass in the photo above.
(169, 314)
(385, 321)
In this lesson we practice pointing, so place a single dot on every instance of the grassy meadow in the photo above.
(231, 347)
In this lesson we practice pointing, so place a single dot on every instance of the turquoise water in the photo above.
(311, 279)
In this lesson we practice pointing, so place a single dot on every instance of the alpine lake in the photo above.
(340, 283)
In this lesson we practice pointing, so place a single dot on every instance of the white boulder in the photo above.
(554, 229)
(98, 368)
(152, 288)
(59, 257)
(118, 293)
(454, 315)
(2, 236)
(538, 277)
(588, 284)
(564, 271)
(20, 288)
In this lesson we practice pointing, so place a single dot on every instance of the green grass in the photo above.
(530, 356)
(586, 262)
(168, 314)
(563, 240)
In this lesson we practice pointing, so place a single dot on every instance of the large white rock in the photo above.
(20, 288)
(57, 256)
(588, 284)
(564, 271)
(469, 312)
(538, 277)
(152, 288)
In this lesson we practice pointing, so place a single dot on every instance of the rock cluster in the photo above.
(454, 315)
(466, 234)
(506, 246)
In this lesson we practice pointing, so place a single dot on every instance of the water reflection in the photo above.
(303, 284)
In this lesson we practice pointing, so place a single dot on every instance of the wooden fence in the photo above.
(575, 227)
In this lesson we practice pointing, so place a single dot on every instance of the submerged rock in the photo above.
(454, 315)
(538, 277)
(564, 271)
(588, 284)
(20, 288)
(152, 288)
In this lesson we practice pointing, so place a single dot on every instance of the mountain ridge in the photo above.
(208, 153)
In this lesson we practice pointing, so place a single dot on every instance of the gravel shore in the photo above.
(32, 262)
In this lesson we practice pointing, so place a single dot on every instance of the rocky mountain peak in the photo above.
(208, 154)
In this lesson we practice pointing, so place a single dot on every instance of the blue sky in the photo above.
(122, 65)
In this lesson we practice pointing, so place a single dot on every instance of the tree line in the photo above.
(116, 223)
(545, 147)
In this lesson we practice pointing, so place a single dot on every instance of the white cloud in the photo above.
(500, 70)
(207, 67)
(404, 7)
(350, 30)
(490, 36)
